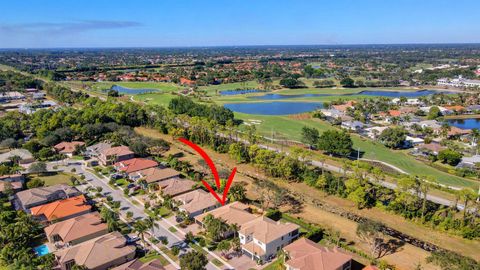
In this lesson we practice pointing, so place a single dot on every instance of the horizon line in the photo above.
(241, 46)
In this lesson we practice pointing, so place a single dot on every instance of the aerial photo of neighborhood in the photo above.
(247, 135)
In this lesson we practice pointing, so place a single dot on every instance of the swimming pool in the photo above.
(41, 250)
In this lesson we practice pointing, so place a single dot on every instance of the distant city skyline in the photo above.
(189, 23)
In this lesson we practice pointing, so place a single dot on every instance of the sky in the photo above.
(174, 23)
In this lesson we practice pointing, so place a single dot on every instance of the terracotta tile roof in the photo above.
(62, 208)
(98, 252)
(78, 227)
(175, 186)
(196, 200)
(434, 147)
(157, 174)
(67, 147)
(254, 248)
(135, 164)
(267, 230)
(304, 254)
(233, 213)
(395, 113)
(455, 108)
(454, 131)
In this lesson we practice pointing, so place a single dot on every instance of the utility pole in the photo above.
(358, 156)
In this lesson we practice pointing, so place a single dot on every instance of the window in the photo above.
(69, 264)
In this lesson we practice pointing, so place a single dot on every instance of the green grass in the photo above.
(122, 182)
(172, 229)
(284, 127)
(55, 178)
(217, 262)
(155, 98)
(152, 256)
(275, 265)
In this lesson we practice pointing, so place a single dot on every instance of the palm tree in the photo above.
(467, 195)
(150, 222)
(140, 228)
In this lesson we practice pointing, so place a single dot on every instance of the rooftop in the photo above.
(135, 164)
(77, 227)
(233, 213)
(62, 208)
(196, 200)
(266, 230)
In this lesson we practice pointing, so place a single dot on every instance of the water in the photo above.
(41, 250)
(274, 108)
(238, 92)
(377, 93)
(132, 91)
(469, 123)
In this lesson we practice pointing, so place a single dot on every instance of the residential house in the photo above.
(429, 148)
(76, 230)
(12, 95)
(134, 165)
(62, 209)
(175, 186)
(109, 156)
(262, 237)
(355, 126)
(95, 149)
(344, 107)
(374, 132)
(196, 202)
(469, 162)
(233, 213)
(457, 132)
(24, 156)
(100, 253)
(37, 196)
(413, 141)
(68, 148)
(305, 254)
(13, 181)
(136, 264)
(155, 174)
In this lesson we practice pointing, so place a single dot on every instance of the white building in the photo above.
(459, 82)
(262, 237)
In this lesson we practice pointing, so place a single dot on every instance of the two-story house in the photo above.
(262, 237)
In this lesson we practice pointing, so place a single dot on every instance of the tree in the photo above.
(141, 227)
(73, 180)
(35, 182)
(335, 142)
(466, 195)
(450, 157)
(393, 137)
(370, 232)
(237, 192)
(216, 228)
(224, 246)
(193, 260)
(110, 217)
(434, 113)
(347, 82)
(38, 167)
(310, 136)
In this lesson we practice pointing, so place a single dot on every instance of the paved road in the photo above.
(174, 239)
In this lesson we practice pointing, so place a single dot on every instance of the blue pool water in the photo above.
(132, 91)
(274, 108)
(377, 93)
(41, 250)
(238, 92)
(469, 123)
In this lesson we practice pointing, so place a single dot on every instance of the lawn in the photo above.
(285, 127)
(275, 265)
(152, 256)
(55, 178)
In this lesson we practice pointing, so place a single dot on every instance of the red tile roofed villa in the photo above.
(68, 148)
(135, 164)
(76, 230)
(100, 253)
(62, 210)
(115, 154)
(305, 254)
(138, 265)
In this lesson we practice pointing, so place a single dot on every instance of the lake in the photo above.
(274, 108)
(238, 92)
(469, 123)
(377, 93)
(132, 91)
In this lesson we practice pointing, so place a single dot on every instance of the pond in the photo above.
(41, 250)
(274, 108)
(132, 91)
(378, 93)
(469, 123)
(238, 92)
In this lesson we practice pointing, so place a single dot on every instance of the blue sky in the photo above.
(165, 23)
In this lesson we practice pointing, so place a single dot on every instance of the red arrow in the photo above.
(210, 164)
